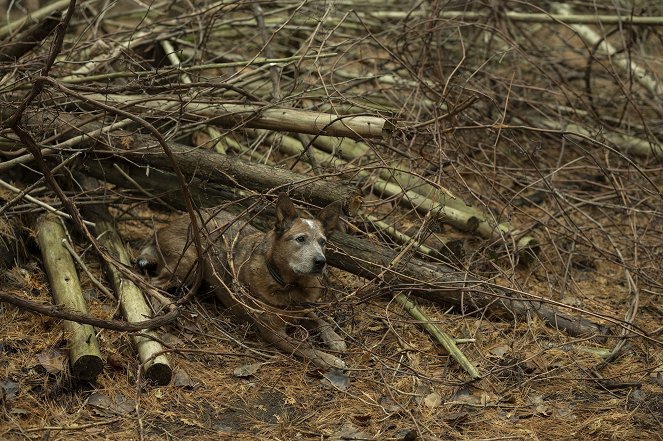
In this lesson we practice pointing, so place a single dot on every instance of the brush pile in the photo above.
(499, 272)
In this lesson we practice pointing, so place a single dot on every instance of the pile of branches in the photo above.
(443, 127)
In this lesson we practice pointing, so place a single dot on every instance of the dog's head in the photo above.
(300, 241)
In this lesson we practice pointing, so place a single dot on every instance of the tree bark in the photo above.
(259, 116)
(84, 355)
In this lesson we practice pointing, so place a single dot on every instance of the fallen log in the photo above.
(134, 308)
(84, 355)
(435, 282)
(442, 284)
(232, 172)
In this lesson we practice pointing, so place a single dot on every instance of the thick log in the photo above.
(442, 284)
(235, 173)
(84, 355)
(132, 303)
(435, 282)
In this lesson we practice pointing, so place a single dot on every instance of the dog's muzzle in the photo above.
(319, 264)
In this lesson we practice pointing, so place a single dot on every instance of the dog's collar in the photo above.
(275, 273)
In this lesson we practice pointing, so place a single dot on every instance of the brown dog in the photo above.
(278, 272)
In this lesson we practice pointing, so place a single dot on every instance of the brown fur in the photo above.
(234, 250)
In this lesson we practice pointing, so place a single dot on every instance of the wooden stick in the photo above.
(624, 143)
(619, 58)
(134, 308)
(442, 337)
(424, 197)
(461, 220)
(442, 284)
(36, 15)
(232, 172)
(529, 17)
(84, 355)
(36, 201)
(257, 116)
(399, 236)
(80, 78)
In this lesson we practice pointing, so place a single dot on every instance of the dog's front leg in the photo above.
(277, 336)
(333, 341)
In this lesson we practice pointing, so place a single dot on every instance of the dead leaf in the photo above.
(432, 400)
(10, 389)
(538, 363)
(125, 141)
(349, 432)
(540, 407)
(337, 379)
(421, 390)
(388, 404)
(52, 360)
(454, 417)
(408, 435)
(171, 340)
(572, 301)
(19, 411)
(182, 379)
(499, 351)
(562, 410)
(472, 396)
(104, 406)
(192, 423)
(115, 361)
(247, 370)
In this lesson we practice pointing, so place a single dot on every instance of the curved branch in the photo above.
(68, 314)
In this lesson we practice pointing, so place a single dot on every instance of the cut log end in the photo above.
(159, 373)
(87, 367)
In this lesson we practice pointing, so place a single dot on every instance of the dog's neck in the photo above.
(274, 272)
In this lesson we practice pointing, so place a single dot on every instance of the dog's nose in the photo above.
(319, 263)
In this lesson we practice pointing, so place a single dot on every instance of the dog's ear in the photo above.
(286, 213)
(329, 215)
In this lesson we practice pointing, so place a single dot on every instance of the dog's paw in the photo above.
(337, 345)
(332, 340)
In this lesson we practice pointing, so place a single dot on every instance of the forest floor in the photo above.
(528, 121)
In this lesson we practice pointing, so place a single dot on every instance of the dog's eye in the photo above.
(300, 239)
(323, 241)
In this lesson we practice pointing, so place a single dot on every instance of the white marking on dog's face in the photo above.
(306, 240)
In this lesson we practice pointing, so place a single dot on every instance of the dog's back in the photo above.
(173, 251)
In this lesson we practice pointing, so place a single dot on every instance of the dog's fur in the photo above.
(278, 272)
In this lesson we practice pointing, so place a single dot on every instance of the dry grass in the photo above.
(595, 211)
